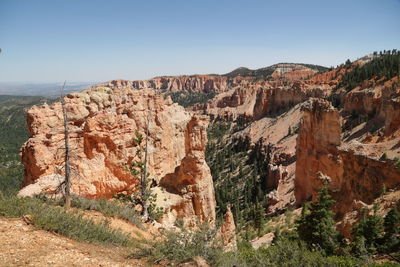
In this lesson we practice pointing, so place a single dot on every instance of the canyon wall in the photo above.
(252, 101)
(206, 83)
(354, 174)
(316, 148)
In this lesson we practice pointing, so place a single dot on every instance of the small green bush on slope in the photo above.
(110, 208)
(58, 220)
(284, 252)
(181, 246)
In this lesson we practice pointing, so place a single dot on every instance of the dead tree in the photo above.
(67, 168)
(144, 189)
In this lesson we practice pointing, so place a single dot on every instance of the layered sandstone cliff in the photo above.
(252, 101)
(355, 172)
(206, 83)
(103, 123)
(316, 149)
(192, 180)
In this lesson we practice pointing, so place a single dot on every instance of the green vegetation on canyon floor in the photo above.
(13, 133)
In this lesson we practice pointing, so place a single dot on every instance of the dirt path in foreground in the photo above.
(23, 245)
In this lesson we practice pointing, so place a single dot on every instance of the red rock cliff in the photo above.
(355, 174)
(204, 83)
(102, 124)
(316, 151)
(192, 180)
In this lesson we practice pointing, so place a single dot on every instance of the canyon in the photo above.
(298, 126)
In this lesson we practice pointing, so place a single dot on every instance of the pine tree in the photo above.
(316, 225)
(369, 228)
(391, 225)
(259, 217)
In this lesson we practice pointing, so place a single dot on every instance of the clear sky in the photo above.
(53, 41)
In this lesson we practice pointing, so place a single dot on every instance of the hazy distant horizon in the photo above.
(51, 41)
(61, 82)
(41, 89)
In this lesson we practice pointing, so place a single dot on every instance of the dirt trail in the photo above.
(23, 245)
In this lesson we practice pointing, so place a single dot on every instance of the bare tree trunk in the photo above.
(67, 181)
(145, 200)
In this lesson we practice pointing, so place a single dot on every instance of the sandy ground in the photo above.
(23, 245)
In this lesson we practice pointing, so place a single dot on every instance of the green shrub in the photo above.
(284, 252)
(58, 220)
(182, 245)
(74, 226)
(370, 229)
(14, 207)
(316, 225)
(391, 224)
(110, 208)
(396, 162)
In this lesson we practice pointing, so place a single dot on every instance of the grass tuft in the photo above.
(110, 208)
(67, 223)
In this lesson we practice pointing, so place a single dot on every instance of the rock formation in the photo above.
(227, 231)
(390, 112)
(317, 141)
(354, 173)
(206, 83)
(103, 124)
(192, 180)
(253, 101)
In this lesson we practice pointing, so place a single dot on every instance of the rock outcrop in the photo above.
(365, 178)
(192, 180)
(316, 150)
(227, 231)
(355, 175)
(103, 124)
(206, 83)
(253, 101)
(390, 112)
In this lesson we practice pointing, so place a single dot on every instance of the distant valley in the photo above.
(51, 90)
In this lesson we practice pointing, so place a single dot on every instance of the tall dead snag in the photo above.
(144, 189)
(67, 169)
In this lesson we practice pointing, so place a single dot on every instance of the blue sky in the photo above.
(53, 41)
